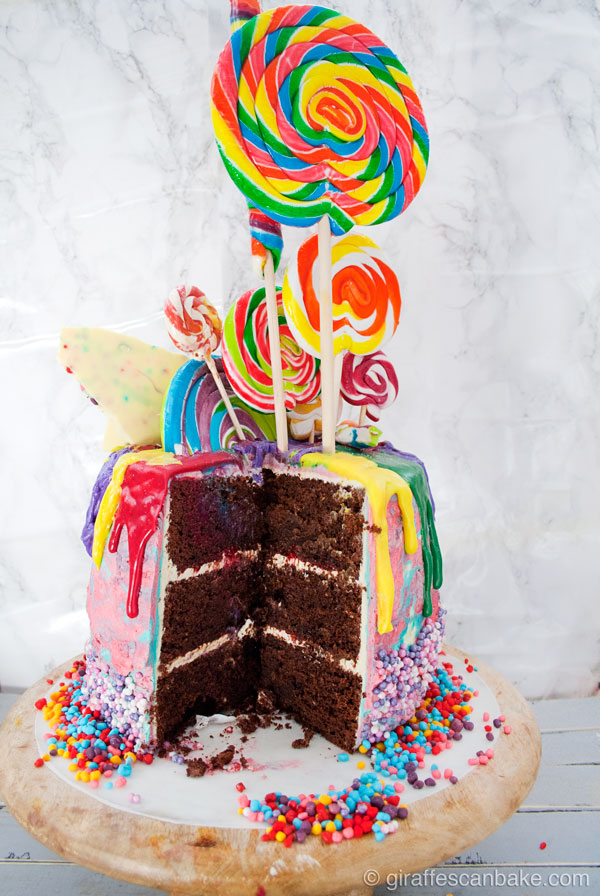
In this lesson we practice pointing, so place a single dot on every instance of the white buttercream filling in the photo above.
(189, 657)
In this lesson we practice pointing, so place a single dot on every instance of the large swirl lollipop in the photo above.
(195, 328)
(369, 382)
(315, 116)
(247, 356)
(365, 293)
(195, 418)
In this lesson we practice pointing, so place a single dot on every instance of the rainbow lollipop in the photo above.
(365, 293)
(195, 328)
(247, 356)
(195, 418)
(315, 116)
(369, 382)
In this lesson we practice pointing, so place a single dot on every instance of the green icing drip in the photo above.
(415, 476)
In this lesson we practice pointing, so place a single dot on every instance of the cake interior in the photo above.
(260, 591)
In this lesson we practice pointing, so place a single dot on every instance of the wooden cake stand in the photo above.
(184, 859)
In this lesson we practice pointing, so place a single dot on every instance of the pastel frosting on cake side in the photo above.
(255, 567)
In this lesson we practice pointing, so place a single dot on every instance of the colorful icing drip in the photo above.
(126, 377)
(112, 495)
(143, 492)
(101, 484)
(412, 470)
(194, 416)
(381, 485)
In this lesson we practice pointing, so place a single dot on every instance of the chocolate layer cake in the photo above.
(311, 576)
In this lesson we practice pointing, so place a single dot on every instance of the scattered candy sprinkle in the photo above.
(101, 753)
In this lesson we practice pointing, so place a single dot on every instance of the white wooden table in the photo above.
(562, 811)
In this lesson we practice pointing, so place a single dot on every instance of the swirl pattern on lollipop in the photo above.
(314, 115)
(247, 355)
(194, 416)
(365, 293)
(369, 381)
(192, 321)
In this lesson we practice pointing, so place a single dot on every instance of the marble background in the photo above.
(112, 192)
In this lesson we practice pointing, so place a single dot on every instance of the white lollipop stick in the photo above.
(362, 417)
(226, 400)
(326, 325)
(275, 347)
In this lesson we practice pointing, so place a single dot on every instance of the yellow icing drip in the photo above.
(380, 485)
(112, 495)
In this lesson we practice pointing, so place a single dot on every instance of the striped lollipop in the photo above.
(192, 321)
(369, 382)
(314, 115)
(247, 356)
(365, 292)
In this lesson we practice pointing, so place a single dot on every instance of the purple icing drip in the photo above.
(256, 452)
(101, 484)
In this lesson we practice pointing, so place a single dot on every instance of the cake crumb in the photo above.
(302, 742)
(223, 758)
(196, 768)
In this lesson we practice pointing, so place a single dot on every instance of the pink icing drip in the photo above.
(142, 497)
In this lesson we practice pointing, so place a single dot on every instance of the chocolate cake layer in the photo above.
(220, 680)
(211, 515)
(318, 693)
(317, 521)
(201, 608)
(312, 606)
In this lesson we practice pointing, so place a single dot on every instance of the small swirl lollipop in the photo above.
(247, 356)
(193, 323)
(365, 292)
(195, 328)
(195, 418)
(369, 382)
